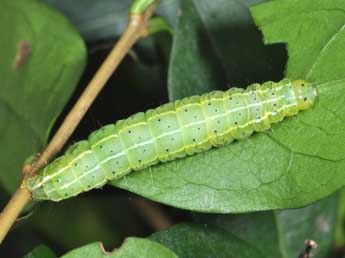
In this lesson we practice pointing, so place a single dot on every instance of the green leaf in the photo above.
(41, 60)
(216, 44)
(282, 233)
(41, 251)
(289, 166)
(159, 24)
(203, 241)
(313, 56)
(269, 171)
(102, 215)
(131, 248)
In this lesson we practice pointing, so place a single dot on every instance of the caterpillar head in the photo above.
(305, 94)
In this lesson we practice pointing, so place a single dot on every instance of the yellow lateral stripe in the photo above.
(48, 177)
(104, 139)
(131, 126)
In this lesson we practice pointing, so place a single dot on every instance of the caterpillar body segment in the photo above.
(171, 131)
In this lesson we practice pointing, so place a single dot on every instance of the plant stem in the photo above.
(137, 28)
(12, 210)
(152, 213)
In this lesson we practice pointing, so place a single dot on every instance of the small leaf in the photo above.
(203, 241)
(131, 248)
(140, 6)
(41, 251)
(41, 60)
(159, 24)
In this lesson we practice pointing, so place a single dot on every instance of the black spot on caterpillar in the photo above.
(171, 131)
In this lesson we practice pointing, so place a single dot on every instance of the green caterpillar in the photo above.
(171, 131)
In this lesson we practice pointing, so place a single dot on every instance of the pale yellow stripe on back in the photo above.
(105, 139)
(131, 126)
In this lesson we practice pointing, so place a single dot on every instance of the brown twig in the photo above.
(137, 28)
(153, 214)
